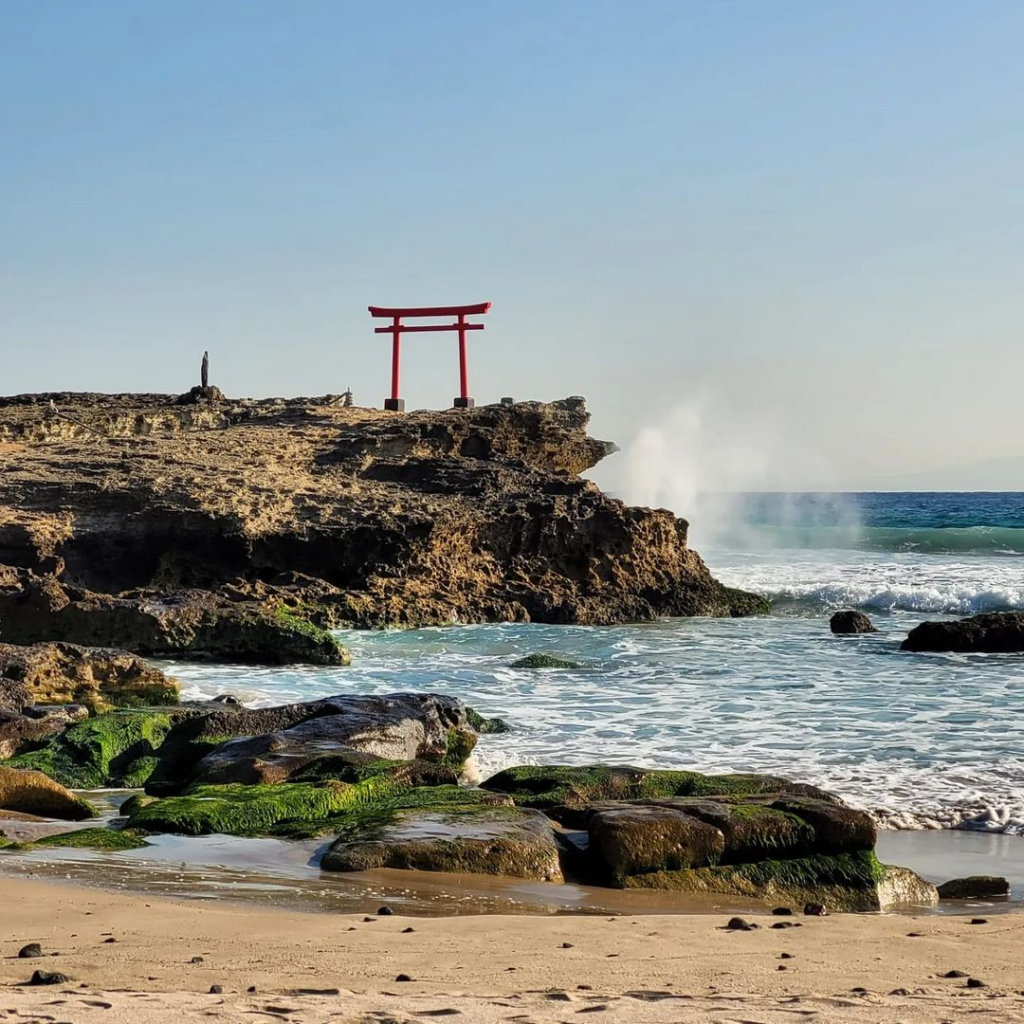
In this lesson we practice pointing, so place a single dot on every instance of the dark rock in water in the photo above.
(738, 924)
(994, 633)
(227, 698)
(545, 661)
(974, 887)
(851, 622)
(338, 737)
(48, 978)
(486, 726)
(31, 951)
(481, 839)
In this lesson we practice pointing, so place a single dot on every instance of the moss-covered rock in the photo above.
(565, 791)
(545, 661)
(261, 810)
(134, 803)
(115, 749)
(93, 839)
(324, 647)
(486, 726)
(743, 604)
(467, 839)
(272, 745)
(32, 792)
(842, 882)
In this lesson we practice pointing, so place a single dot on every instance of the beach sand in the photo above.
(489, 968)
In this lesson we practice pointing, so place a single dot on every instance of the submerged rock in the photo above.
(31, 792)
(64, 673)
(473, 839)
(993, 633)
(851, 622)
(974, 887)
(545, 661)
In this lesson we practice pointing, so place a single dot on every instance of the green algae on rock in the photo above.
(294, 809)
(486, 726)
(848, 881)
(563, 791)
(271, 745)
(114, 749)
(92, 839)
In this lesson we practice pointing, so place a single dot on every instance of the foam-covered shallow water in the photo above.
(915, 738)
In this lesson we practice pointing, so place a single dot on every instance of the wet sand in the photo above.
(343, 968)
(285, 874)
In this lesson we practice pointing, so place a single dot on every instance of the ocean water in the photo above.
(921, 740)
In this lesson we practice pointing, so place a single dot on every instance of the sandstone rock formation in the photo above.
(61, 673)
(994, 633)
(136, 521)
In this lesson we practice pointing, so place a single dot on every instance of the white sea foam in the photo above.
(921, 741)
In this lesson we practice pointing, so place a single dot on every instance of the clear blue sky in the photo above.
(795, 228)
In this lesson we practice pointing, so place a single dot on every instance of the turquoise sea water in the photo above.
(917, 738)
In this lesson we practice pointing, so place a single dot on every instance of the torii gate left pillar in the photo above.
(397, 329)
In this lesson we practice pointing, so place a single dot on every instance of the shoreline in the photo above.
(652, 968)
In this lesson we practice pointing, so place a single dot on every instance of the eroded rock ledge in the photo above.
(217, 528)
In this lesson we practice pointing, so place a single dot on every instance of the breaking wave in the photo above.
(936, 600)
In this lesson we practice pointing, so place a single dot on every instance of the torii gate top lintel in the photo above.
(474, 308)
(397, 329)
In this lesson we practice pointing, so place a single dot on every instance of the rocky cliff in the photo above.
(157, 525)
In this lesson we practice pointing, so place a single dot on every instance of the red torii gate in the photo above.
(397, 329)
